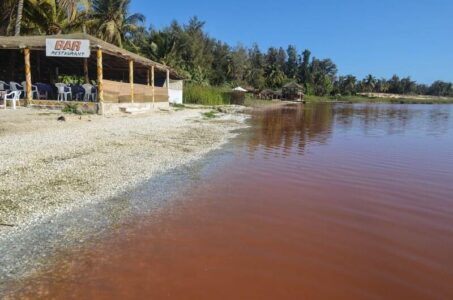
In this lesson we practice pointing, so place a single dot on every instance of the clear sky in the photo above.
(382, 37)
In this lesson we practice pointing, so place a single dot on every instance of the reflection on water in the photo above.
(284, 128)
(293, 127)
(313, 202)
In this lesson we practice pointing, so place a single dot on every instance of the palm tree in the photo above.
(110, 20)
(369, 83)
(49, 17)
(162, 47)
(20, 9)
(72, 6)
(7, 14)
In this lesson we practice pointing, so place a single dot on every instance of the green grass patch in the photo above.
(209, 115)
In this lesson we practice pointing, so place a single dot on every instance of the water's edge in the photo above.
(28, 251)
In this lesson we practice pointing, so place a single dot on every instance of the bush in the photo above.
(206, 95)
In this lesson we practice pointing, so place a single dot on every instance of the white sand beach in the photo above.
(47, 166)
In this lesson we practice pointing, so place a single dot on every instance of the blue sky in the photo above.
(386, 37)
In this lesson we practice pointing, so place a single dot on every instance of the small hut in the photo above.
(267, 94)
(238, 96)
(293, 91)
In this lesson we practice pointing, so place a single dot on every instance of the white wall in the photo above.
(175, 92)
(175, 96)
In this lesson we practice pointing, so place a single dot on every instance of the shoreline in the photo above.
(50, 168)
(32, 250)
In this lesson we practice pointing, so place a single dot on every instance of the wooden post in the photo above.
(131, 78)
(168, 80)
(168, 84)
(100, 75)
(153, 83)
(85, 70)
(28, 92)
(148, 77)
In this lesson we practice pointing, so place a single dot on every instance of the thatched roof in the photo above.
(293, 85)
(267, 92)
(39, 43)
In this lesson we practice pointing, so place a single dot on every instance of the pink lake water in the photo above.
(314, 202)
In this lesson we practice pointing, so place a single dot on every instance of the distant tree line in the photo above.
(190, 50)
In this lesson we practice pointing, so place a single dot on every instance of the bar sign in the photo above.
(68, 48)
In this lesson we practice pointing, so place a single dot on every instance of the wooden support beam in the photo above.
(153, 83)
(86, 71)
(168, 84)
(131, 78)
(28, 88)
(100, 73)
(148, 72)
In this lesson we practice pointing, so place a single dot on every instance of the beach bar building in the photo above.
(121, 80)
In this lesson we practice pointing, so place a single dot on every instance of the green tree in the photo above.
(110, 20)
(7, 16)
(221, 66)
(394, 85)
(441, 88)
(239, 65)
(48, 17)
(369, 84)
(274, 71)
(323, 73)
(256, 75)
(292, 63)
(407, 86)
(346, 85)
(382, 86)
(304, 68)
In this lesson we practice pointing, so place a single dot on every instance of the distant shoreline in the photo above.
(382, 98)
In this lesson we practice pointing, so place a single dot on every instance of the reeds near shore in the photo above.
(206, 95)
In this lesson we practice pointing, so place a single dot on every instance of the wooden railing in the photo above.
(120, 92)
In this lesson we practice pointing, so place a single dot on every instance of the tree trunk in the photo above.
(20, 10)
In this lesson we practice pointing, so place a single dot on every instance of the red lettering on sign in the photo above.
(64, 45)
(76, 46)
(67, 45)
(58, 45)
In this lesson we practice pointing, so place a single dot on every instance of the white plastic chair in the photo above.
(34, 90)
(63, 92)
(88, 92)
(14, 86)
(12, 96)
(4, 86)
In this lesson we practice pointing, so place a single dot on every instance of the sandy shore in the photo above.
(47, 166)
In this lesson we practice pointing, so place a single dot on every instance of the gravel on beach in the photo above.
(48, 166)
